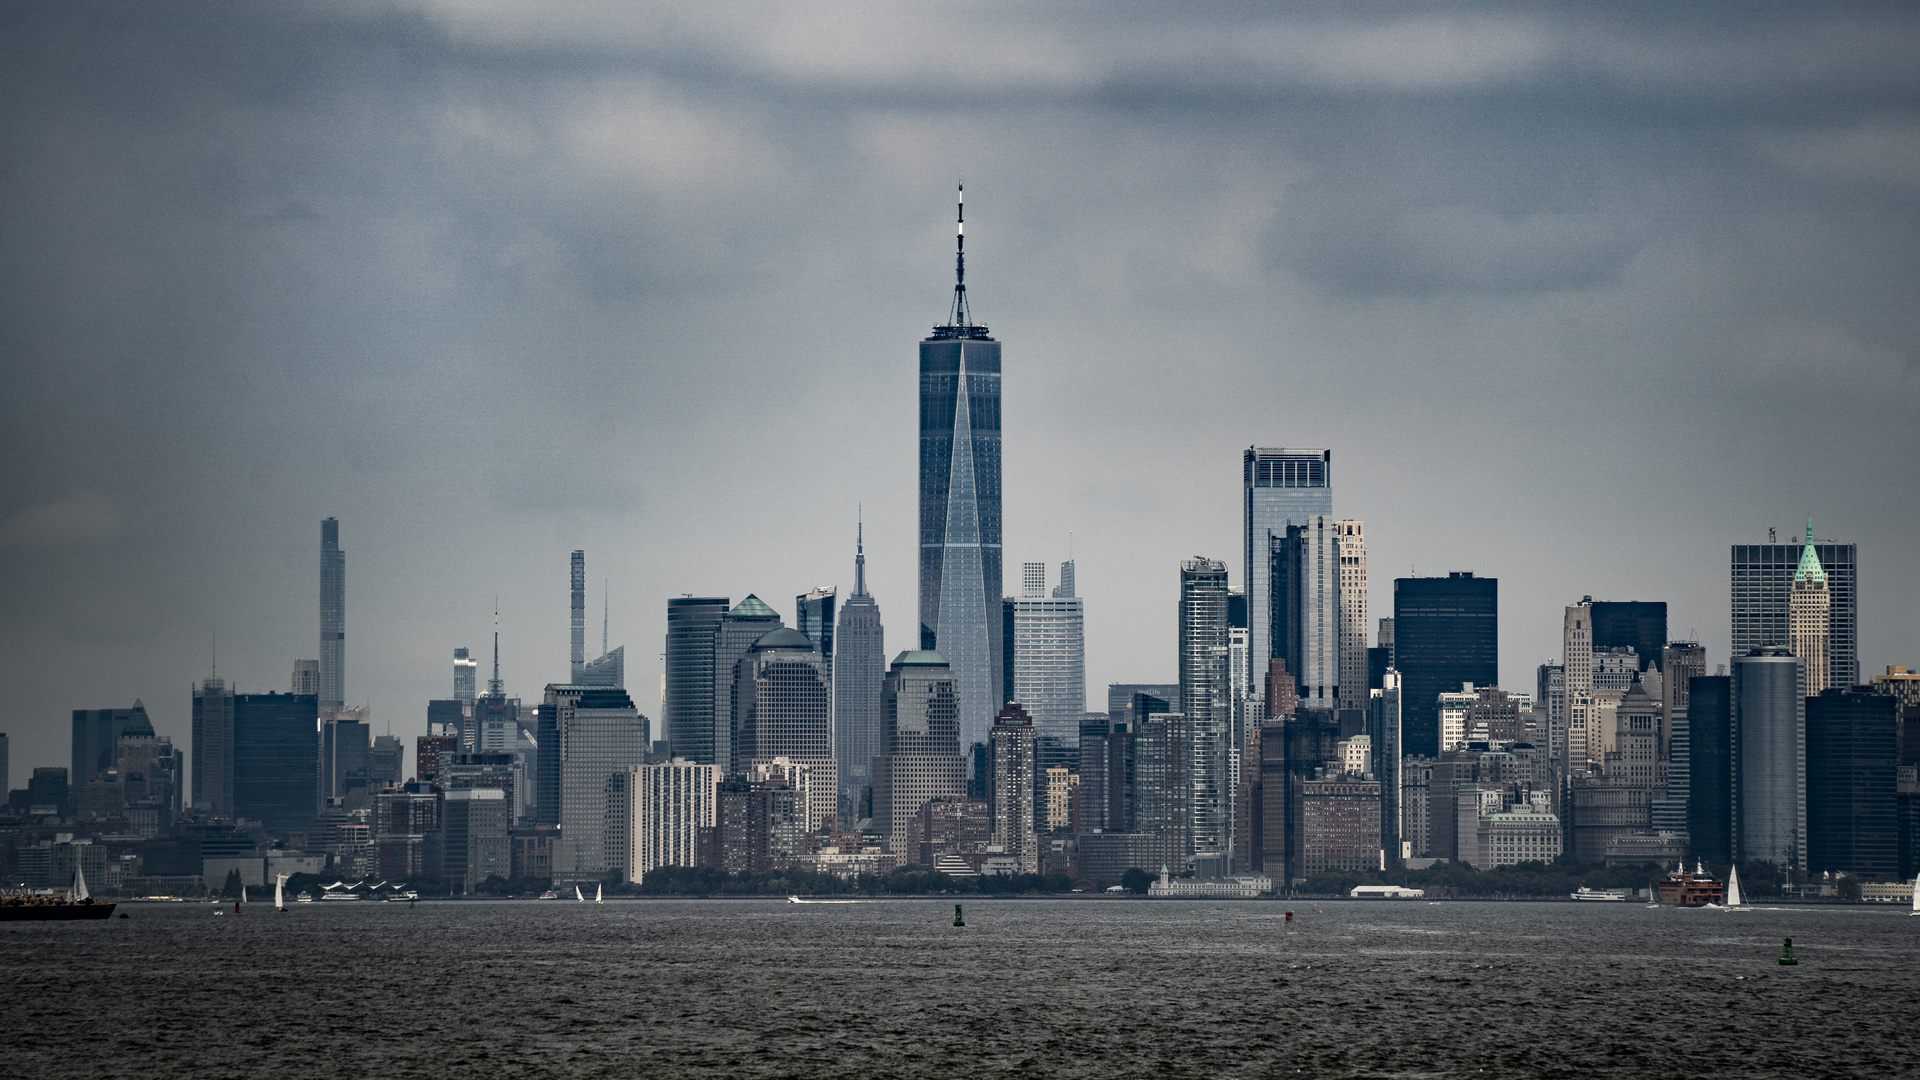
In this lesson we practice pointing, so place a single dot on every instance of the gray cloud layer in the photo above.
(1578, 297)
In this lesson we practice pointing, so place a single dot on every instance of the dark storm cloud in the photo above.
(491, 281)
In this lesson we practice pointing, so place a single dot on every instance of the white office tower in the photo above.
(1353, 613)
(672, 802)
(1046, 636)
(466, 676)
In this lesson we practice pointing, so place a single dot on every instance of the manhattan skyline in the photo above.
(1579, 363)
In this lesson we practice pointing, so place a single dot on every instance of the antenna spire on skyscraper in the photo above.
(860, 553)
(960, 318)
(496, 688)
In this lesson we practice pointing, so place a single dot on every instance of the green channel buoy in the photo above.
(1786, 951)
(957, 920)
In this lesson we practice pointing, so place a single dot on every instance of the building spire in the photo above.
(860, 555)
(1809, 559)
(496, 688)
(959, 317)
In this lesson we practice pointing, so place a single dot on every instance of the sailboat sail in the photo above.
(1916, 895)
(596, 895)
(577, 896)
(1733, 887)
(80, 886)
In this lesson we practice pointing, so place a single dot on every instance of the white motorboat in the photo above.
(1616, 896)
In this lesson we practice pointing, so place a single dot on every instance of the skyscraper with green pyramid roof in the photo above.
(1809, 616)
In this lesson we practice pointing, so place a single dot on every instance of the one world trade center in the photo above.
(960, 504)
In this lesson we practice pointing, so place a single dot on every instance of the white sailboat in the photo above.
(1916, 898)
(596, 895)
(577, 896)
(280, 892)
(1733, 888)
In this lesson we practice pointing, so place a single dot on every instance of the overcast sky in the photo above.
(1577, 296)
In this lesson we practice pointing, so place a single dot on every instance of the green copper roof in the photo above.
(783, 638)
(752, 608)
(920, 658)
(1810, 567)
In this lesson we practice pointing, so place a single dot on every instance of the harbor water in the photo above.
(1097, 988)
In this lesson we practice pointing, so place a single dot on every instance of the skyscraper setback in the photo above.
(333, 616)
(960, 523)
(861, 642)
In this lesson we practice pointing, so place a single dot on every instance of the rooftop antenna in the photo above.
(860, 551)
(496, 688)
(960, 323)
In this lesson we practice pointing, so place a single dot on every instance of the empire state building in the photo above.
(960, 504)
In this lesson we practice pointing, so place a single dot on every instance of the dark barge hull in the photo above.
(54, 912)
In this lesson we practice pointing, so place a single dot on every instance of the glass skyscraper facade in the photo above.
(1446, 631)
(1770, 757)
(1763, 585)
(693, 622)
(1205, 700)
(960, 525)
(1046, 660)
(276, 758)
(1282, 487)
(333, 616)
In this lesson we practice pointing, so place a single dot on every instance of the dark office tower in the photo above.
(1091, 810)
(861, 642)
(213, 748)
(345, 753)
(813, 615)
(739, 629)
(578, 578)
(333, 616)
(1206, 702)
(1120, 696)
(96, 738)
(276, 751)
(1446, 631)
(1383, 725)
(1769, 757)
(960, 523)
(1852, 760)
(1640, 625)
(1762, 593)
(692, 625)
(1281, 487)
(6, 778)
(1163, 755)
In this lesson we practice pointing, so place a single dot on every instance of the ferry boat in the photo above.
(1696, 889)
(1616, 896)
(78, 903)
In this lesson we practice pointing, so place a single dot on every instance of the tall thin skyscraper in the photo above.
(1012, 792)
(1809, 617)
(213, 748)
(333, 616)
(960, 522)
(1353, 614)
(610, 667)
(1282, 487)
(1762, 596)
(861, 642)
(1205, 699)
(579, 579)
(466, 676)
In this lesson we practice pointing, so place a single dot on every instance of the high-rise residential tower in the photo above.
(1446, 632)
(333, 616)
(578, 578)
(1809, 617)
(960, 516)
(1206, 702)
(1762, 598)
(1281, 487)
(1046, 659)
(1012, 792)
(1353, 613)
(693, 626)
(860, 640)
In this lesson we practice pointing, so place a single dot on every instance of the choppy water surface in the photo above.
(1068, 988)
